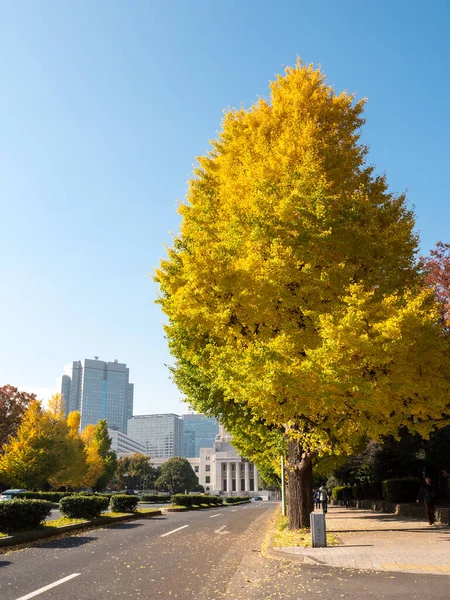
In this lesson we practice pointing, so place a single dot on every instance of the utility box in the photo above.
(318, 530)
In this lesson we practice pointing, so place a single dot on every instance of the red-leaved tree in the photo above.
(13, 404)
(437, 276)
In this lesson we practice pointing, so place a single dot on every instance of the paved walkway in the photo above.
(381, 542)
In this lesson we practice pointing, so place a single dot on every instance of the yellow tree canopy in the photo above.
(94, 460)
(293, 283)
(33, 455)
(74, 467)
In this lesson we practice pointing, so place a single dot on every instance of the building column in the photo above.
(229, 479)
(255, 475)
(247, 477)
(238, 477)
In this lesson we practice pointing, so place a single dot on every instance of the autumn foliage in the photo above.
(292, 291)
(13, 404)
(437, 277)
(48, 450)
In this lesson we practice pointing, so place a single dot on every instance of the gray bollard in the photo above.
(318, 530)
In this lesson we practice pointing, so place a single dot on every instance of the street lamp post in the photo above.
(283, 489)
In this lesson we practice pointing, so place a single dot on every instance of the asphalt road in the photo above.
(178, 555)
(206, 555)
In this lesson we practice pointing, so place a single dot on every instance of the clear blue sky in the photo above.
(104, 106)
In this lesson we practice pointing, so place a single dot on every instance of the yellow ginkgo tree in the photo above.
(293, 289)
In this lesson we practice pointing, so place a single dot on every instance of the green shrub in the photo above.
(189, 500)
(50, 496)
(83, 507)
(17, 515)
(401, 490)
(123, 503)
(102, 494)
(216, 500)
(373, 490)
(236, 499)
(337, 493)
(182, 500)
(154, 498)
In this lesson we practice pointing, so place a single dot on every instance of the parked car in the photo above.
(256, 499)
(10, 494)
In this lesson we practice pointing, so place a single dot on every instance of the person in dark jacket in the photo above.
(428, 494)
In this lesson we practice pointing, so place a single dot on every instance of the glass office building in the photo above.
(98, 390)
(161, 434)
(198, 432)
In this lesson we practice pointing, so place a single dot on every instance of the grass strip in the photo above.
(62, 522)
(285, 537)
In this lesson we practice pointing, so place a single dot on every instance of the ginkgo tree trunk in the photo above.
(293, 285)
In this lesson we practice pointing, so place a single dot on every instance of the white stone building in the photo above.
(223, 470)
(220, 470)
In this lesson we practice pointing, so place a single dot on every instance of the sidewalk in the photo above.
(381, 542)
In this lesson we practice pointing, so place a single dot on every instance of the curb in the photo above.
(276, 553)
(32, 536)
(271, 551)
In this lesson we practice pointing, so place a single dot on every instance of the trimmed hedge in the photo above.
(83, 507)
(123, 503)
(17, 515)
(236, 499)
(102, 494)
(154, 498)
(189, 500)
(401, 490)
(50, 496)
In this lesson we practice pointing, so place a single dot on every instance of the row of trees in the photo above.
(298, 313)
(41, 448)
(174, 476)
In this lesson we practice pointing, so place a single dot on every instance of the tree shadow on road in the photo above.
(126, 526)
(4, 563)
(68, 542)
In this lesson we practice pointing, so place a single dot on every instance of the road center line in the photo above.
(212, 516)
(163, 535)
(48, 587)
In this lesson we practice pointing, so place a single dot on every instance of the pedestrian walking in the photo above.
(323, 497)
(428, 494)
(316, 499)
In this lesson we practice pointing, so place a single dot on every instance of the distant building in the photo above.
(98, 390)
(198, 432)
(220, 469)
(124, 445)
(160, 434)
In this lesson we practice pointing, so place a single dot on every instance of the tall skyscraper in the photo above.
(162, 435)
(98, 390)
(198, 432)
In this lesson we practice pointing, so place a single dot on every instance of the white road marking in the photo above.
(212, 516)
(168, 533)
(234, 510)
(220, 530)
(48, 587)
